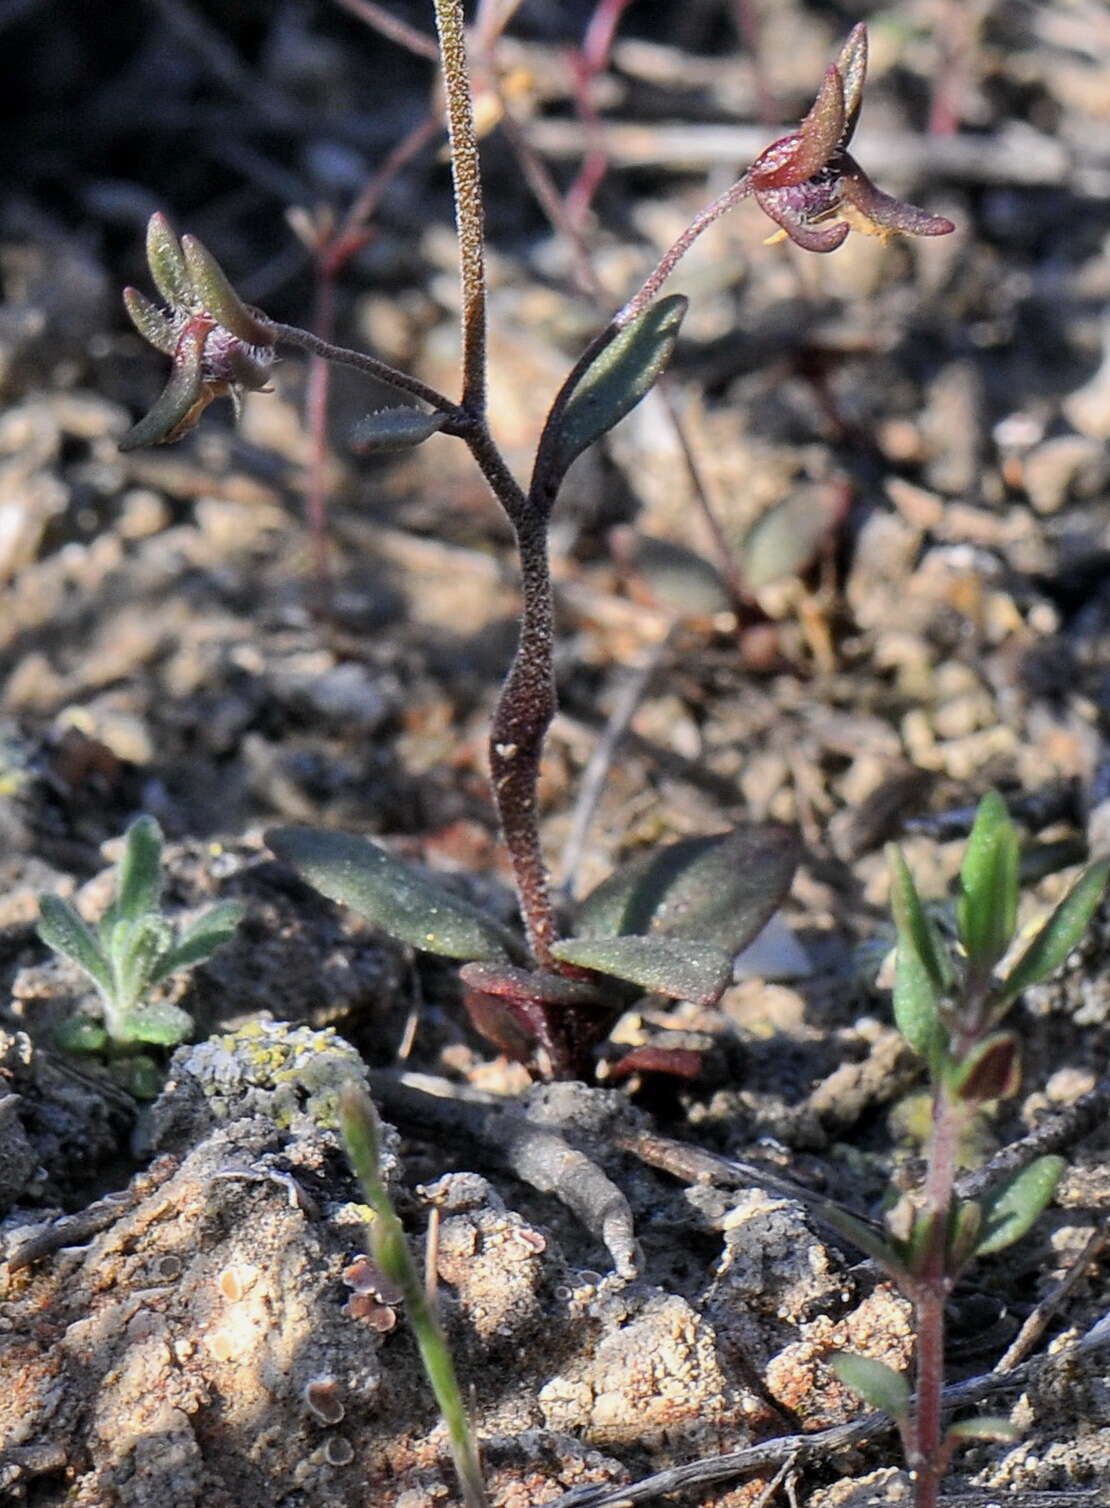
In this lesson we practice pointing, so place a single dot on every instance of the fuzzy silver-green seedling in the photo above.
(132, 949)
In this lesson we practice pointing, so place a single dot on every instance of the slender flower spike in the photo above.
(219, 348)
(813, 189)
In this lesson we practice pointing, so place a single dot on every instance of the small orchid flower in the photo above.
(807, 181)
(218, 346)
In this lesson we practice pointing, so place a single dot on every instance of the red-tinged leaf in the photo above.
(675, 1062)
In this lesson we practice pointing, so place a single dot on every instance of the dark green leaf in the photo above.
(395, 429)
(140, 871)
(622, 372)
(1060, 933)
(921, 969)
(1013, 1207)
(876, 1383)
(62, 929)
(986, 911)
(721, 889)
(201, 940)
(160, 1024)
(394, 896)
(679, 967)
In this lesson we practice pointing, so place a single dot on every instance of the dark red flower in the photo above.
(813, 189)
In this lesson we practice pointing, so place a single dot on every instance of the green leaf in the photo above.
(136, 949)
(395, 429)
(721, 889)
(876, 1383)
(985, 1427)
(150, 322)
(140, 871)
(219, 298)
(81, 1034)
(167, 265)
(160, 1024)
(986, 910)
(625, 369)
(1059, 935)
(922, 970)
(680, 967)
(201, 940)
(177, 402)
(62, 929)
(1013, 1207)
(391, 894)
(863, 1236)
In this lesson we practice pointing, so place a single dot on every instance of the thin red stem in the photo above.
(674, 254)
(932, 1284)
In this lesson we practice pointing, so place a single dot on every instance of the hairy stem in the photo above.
(304, 340)
(674, 254)
(524, 712)
(466, 172)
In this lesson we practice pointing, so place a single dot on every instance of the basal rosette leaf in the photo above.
(721, 889)
(62, 929)
(681, 968)
(391, 894)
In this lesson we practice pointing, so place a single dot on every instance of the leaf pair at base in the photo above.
(669, 922)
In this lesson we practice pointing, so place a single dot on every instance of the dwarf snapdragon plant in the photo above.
(672, 921)
(951, 1007)
(131, 949)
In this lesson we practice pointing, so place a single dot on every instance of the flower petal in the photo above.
(885, 212)
(167, 420)
(852, 67)
(799, 156)
(218, 298)
(804, 234)
(150, 322)
(167, 265)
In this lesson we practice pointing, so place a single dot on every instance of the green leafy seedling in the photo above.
(132, 949)
(949, 1008)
